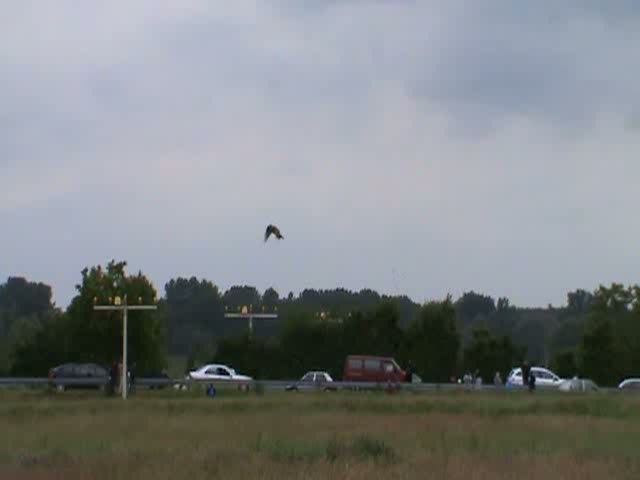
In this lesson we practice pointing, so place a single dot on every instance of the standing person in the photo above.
(410, 370)
(467, 379)
(113, 378)
(526, 372)
(532, 382)
(132, 375)
(497, 380)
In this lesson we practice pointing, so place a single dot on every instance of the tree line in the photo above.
(596, 334)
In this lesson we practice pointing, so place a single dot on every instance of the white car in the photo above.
(630, 384)
(544, 377)
(216, 371)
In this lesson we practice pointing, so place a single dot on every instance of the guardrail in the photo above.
(271, 385)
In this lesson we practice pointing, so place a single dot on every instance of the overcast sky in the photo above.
(404, 146)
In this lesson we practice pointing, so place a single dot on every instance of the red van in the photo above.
(366, 368)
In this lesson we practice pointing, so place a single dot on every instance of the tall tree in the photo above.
(21, 297)
(579, 301)
(195, 314)
(25, 308)
(238, 296)
(598, 352)
(433, 341)
(97, 335)
(489, 354)
(270, 298)
(471, 305)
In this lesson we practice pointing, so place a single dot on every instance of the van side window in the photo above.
(388, 367)
(355, 363)
(372, 364)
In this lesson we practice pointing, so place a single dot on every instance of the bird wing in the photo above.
(272, 229)
(268, 232)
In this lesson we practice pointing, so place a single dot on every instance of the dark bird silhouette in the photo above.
(272, 229)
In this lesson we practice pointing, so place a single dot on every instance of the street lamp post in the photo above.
(124, 308)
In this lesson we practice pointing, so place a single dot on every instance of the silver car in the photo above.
(314, 380)
(630, 384)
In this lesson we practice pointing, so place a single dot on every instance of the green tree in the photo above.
(433, 341)
(21, 297)
(615, 298)
(564, 364)
(194, 313)
(489, 354)
(610, 346)
(375, 332)
(238, 296)
(579, 301)
(270, 299)
(96, 336)
(39, 348)
(471, 305)
(256, 357)
(597, 351)
(307, 343)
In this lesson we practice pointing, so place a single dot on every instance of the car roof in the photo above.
(519, 369)
(629, 380)
(373, 357)
(78, 364)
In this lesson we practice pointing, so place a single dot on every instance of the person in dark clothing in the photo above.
(526, 372)
(132, 375)
(113, 378)
(410, 370)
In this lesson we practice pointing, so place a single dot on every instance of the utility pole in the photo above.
(248, 314)
(124, 308)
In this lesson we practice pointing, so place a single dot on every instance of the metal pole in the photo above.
(249, 315)
(124, 351)
(125, 310)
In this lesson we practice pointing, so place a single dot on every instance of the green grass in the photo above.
(184, 435)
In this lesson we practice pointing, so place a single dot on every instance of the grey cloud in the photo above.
(181, 122)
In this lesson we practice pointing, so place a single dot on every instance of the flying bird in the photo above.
(272, 229)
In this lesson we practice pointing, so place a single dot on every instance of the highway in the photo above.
(266, 385)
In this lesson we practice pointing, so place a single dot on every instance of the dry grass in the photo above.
(176, 435)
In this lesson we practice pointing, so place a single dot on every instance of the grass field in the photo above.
(180, 435)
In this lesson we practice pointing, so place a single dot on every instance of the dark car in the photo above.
(155, 380)
(79, 375)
